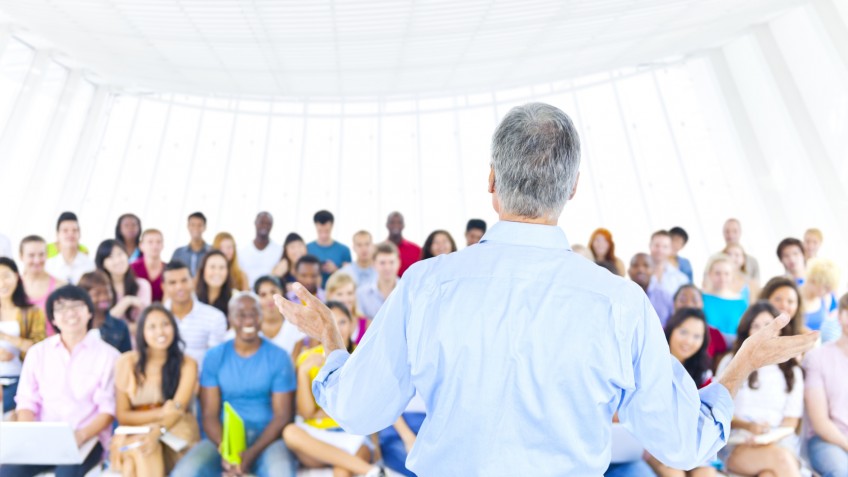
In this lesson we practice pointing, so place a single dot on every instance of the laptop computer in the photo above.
(41, 443)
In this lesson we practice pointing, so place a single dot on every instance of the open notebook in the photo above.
(56, 444)
(775, 435)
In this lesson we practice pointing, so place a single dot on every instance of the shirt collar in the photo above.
(522, 233)
(92, 334)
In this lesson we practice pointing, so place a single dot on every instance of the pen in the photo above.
(134, 445)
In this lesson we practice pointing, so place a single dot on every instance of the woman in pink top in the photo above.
(130, 294)
(150, 266)
(37, 282)
(826, 396)
(69, 377)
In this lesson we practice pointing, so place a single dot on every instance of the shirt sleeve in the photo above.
(218, 331)
(104, 395)
(813, 370)
(211, 365)
(284, 378)
(28, 396)
(677, 424)
(366, 392)
(795, 400)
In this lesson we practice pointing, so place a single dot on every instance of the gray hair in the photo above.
(241, 294)
(535, 156)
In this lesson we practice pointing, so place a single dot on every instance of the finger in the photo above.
(305, 297)
(287, 308)
(778, 323)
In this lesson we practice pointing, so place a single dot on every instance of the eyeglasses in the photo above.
(64, 308)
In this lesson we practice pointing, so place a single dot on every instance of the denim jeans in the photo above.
(638, 468)
(9, 392)
(394, 452)
(203, 460)
(827, 459)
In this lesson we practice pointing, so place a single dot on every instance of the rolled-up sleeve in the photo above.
(366, 391)
(28, 396)
(676, 423)
(104, 395)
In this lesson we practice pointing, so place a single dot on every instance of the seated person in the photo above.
(154, 388)
(396, 442)
(689, 296)
(112, 330)
(257, 379)
(318, 441)
(771, 397)
(688, 341)
(307, 271)
(341, 287)
(69, 377)
(826, 394)
(21, 326)
(723, 305)
(274, 326)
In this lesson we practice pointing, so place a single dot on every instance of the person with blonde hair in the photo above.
(225, 242)
(813, 239)
(723, 305)
(820, 304)
(341, 287)
(747, 286)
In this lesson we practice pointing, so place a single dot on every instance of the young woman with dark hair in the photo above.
(113, 330)
(439, 242)
(154, 386)
(294, 247)
(21, 326)
(783, 294)
(128, 233)
(772, 397)
(214, 282)
(130, 294)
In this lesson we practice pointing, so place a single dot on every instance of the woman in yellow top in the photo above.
(21, 326)
(154, 386)
(317, 440)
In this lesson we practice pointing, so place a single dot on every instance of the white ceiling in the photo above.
(355, 48)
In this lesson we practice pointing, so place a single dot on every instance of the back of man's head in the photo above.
(535, 158)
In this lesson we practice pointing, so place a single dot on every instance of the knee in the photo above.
(784, 461)
(292, 436)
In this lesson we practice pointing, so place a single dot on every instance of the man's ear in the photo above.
(574, 189)
(492, 180)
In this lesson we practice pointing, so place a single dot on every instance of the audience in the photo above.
(790, 252)
(439, 242)
(817, 294)
(783, 294)
(154, 387)
(330, 253)
(113, 331)
(826, 397)
(318, 441)
(666, 275)
(408, 252)
(640, 271)
(214, 284)
(130, 294)
(603, 249)
(197, 248)
(150, 266)
(813, 239)
(21, 326)
(341, 288)
(201, 326)
(257, 380)
(225, 242)
(275, 328)
(387, 263)
(362, 270)
(260, 255)
(293, 249)
(679, 239)
(688, 341)
(70, 263)
(38, 284)
(474, 231)
(772, 397)
(688, 296)
(722, 304)
(128, 232)
(69, 377)
(307, 271)
(732, 232)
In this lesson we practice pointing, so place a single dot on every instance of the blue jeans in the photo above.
(9, 392)
(60, 471)
(638, 468)
(394, 452)
(203, 460)
(827, 459)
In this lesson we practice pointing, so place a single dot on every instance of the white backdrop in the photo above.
(756, 129)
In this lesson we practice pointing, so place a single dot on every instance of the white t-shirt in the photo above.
(255, 262)
(69, 272)
(202, 329)
(769, 403)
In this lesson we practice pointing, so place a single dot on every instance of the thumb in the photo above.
(779, 323)
(308, 299)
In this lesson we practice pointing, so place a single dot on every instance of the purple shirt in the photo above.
(58, 386)
(662, 302)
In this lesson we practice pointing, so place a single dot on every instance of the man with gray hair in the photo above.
(521, 350)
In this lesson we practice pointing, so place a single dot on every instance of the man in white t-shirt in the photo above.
(70, 264)
(259, 256)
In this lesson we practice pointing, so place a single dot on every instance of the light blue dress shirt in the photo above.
(522, 351)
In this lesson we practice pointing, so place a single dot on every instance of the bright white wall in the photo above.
(756, 129)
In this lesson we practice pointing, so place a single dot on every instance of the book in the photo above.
(234, 439)
(131, 430)
(775, 435)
